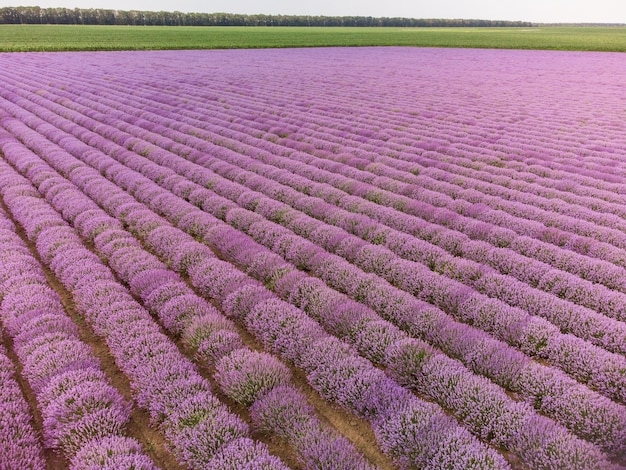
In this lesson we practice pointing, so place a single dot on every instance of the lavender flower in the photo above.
(285, 411)
(111, 453)
(245, 454)
(20, 445)
(244, 375)
(83, 413)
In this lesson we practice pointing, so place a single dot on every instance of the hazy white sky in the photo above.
(593, 11)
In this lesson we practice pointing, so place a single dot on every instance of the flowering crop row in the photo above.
(176, 305)
(580, 321)
(20, 446)
(448, 236)
(199, 427)
(203, 271)
(81, 411)
(580, 265)
(368, 342)
(580, 369)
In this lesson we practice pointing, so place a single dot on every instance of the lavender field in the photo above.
(339, 259)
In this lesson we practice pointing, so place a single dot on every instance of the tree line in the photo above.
(98, 16)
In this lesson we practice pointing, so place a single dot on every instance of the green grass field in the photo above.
(74, 38)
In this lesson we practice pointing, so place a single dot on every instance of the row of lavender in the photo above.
(83, 415)
(607, 365)
(250, 125)
(369, 400)
(30, 139)
(21, 447)
(66, 377)
(261, 187)
(536, 274)
(534, 385)
(244, 375)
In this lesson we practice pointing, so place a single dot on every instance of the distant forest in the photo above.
(97, 16)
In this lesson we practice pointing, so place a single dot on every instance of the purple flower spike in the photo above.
(244, 375)
(114, 452)
(198, 428)
(244, 454)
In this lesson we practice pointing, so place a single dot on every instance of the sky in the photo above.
(540, 11)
